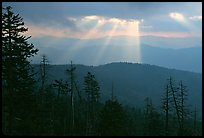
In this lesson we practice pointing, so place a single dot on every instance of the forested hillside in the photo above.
(131, 81)
(116, 99)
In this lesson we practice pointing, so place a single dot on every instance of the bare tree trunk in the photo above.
(175, 102)
(167, 110)
(72, 99)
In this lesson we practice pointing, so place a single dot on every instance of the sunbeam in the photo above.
(73, 50)
(129, 51)
(132, 49)
(106, 44)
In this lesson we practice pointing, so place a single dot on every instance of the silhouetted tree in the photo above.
(174, 92)
(16, 71)
(43, 71)
(166, 109)
(113, 119)
(62, 87)
(175, 98)
(167, 101)
(92, 90)
(182, 106)
(72, 97)
(152, 119)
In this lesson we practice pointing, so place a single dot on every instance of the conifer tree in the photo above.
(16, 69)
(92, 90)
(152, 119)
(113, 119)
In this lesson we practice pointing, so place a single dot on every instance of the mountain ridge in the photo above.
(115, 49)
(133, 82)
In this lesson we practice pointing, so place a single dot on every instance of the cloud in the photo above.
(36, 30)
(42, 13)
(40, 31)
(87, 27)
(102, 22)
(93, 27)
(177, 16)
(195, 18)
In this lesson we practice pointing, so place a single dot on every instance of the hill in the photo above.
(133, 82)
(105, 50)
(188, 59)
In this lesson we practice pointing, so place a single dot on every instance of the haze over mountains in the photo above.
(97, 52)
(176, 57)
(189, 59)
(133, 82)
(137, 69)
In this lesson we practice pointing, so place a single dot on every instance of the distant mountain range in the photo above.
(189, 59)
(153, 50)
(133, 82)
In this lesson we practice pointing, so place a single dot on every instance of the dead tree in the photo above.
(182, 106)
(72, 85)
(166, 108)
(175, 100)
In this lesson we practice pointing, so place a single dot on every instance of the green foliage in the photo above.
(153, 124)
(113, 119)
(91, 87)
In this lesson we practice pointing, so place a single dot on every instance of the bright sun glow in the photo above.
(177, 16)
(79, 46)
(106, 44)
(130, 51)
(133, 48)
(94, 27)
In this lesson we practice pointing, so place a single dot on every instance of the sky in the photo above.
(70, 27)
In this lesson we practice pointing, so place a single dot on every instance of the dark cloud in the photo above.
(155, 14)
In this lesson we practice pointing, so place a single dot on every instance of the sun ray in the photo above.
(106, 44)
(73, 50)
(132, 49)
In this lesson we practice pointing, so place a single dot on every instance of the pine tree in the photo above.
(113, 119)
(62, 88)
(92, 90)
(152, 119)
(16, 69)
